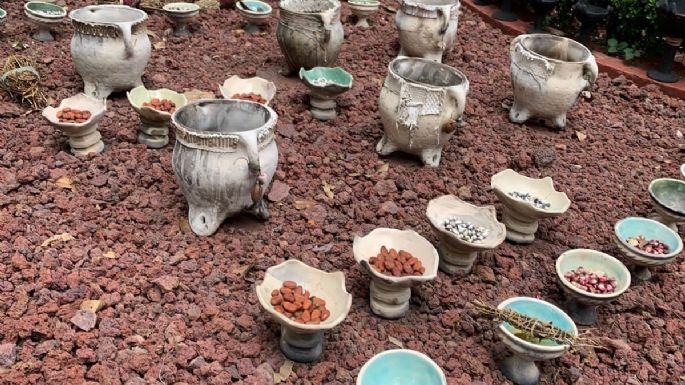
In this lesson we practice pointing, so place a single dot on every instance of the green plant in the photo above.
(614, 47)
(634, 22)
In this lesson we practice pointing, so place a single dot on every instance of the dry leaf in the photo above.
(152, 34)
(184, 225)
(241, 269)
(92, 304)
(110, 254)
(581, 136)
(327, 190)
(66, 183)
(64, 237)
(383, 169)
(301, 205)
(160, 44)
(395, 341)
(284, 372)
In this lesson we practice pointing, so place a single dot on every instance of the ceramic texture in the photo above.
(110, 56)
(650, 229)
(582, 304)
(520, 368)
(668, 198)
(548, 73)
(329, 286)
(310, 33)
(325, 84)
(427, 28)
(389, 296)
(362, 10)
(44, 16)
(401, 366)
(256, 85)
(224, 159)
(457, 254)
(84, 138)
(256, 13)
(154, 124)
(181, 14)
(520, 217)
(420, 104)
(682, 170)
(3, 16)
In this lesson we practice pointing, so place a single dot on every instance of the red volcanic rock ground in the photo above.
(182, 309)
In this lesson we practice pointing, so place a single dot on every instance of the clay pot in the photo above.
(256, 85)
(668, 200)
(325, 84)
(224, 159)
(362, 10)
(309, 33)
(634, 226)
(582, 305)
(154, 124)
(110, 56)
(181, 14)
(457, 254)
(304, 342)
(520, 367)
(389, 296)
(427, 28)
(521, 217)
(44, 16)
(401, 366)
(256, 13)
(548, 73)
(420, 104)
(84, 138)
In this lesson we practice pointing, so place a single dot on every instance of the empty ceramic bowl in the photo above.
(457, 254)
(389, 295)
(325, 84)
(45, 16)
(255, 12)
(362, 10)
(304, 342)
(181, 14)
(154, 124)
(582, 305)
(526, 200)
(668, 197)
(635, 226)
(520, 367)
(84, 137)
(401, 367)
(235, 85)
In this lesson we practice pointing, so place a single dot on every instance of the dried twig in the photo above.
(21, 80)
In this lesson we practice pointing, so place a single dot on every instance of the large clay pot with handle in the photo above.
(427, 28)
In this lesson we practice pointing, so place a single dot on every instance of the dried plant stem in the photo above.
(21, 80)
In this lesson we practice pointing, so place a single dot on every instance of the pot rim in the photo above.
(190, 8)
(582, 293)
(248, 11)
(270, 122)
(521, 38)
(38, 14)
(285, 6)
(73, 15)
(650, 189)
(418, 355)
(644, 254)
(464, 80)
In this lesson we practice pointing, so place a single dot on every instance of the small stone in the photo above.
(388, 207)
(278, 192)
(84, 319)
(167, 283)
(544, 157)
(93, 305)
(485, 273)
(8, 354)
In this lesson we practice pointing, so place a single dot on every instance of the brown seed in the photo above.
(299, 298)
(373, 260)
(384, 251)
(290, 307)
(325, 314)
(316, 313)
(299, 290)
(289, 297)
(396, 272)
(290, 284)
(306, 316)
(286, 290)
(280, 309)
(408, 268)
(319, 302)
(276, 300)
(393, 253)
(275, 292)
(307, 304)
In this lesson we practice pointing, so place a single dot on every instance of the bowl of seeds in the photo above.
(646, 243)
(463, 230)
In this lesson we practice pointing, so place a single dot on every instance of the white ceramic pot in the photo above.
(427, 28)
(84, 138)
(548, 73)
(420, 105)
(110, 48)
(224, 159)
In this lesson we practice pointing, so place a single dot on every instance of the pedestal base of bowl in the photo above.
(520, 371)
(181, 27)
(453, 261)
(43, 34)
(89, 143)
(362, 21)
(641, 273)
(581, 314)
(153, 134)
(322, 109)
(251, 28)
(519, 229)
(388, 301)
(301, 347)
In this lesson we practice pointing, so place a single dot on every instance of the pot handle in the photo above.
(590, 70)
(126, 29)
(248, 139)
(514, 43)
(444, 16)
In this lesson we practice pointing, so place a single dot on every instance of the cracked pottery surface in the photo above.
(427, 28)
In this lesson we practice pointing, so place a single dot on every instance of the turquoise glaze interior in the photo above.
(541, 311)
(256, 6)
(48, 8)
(3, 13)
(401, 368)
(632, 227)
(670, 193)
(335, 75)
(597, 262)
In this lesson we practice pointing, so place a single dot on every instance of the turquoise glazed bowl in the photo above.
(326, 80)
(669, 193)
(45, 10)
(401, 367)
(543, 311)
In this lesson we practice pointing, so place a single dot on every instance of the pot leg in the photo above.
(519, 370)
(384, 147)
(520, 229)
(453, 260)
(260, 210)
(431, 156)
(43, 34)
(389, 301)
(641, 273)
(301, 347)
(559, 122)
(518, 114)
(581, 314)
(204, 221)
(153, 134)
(362, 22)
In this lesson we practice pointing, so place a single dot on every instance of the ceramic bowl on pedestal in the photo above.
(521, 216)
(650, 229)
(154, 124)
(84, 137)
(668, 198)
(401, 366)
(44, 16)
(520, 367)
(256, 13)
(389, 295)
(582, 305)
(457, 254)
(181, 14)
(325, 84)
(235, 85)
(362, 10)
(305, 342)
